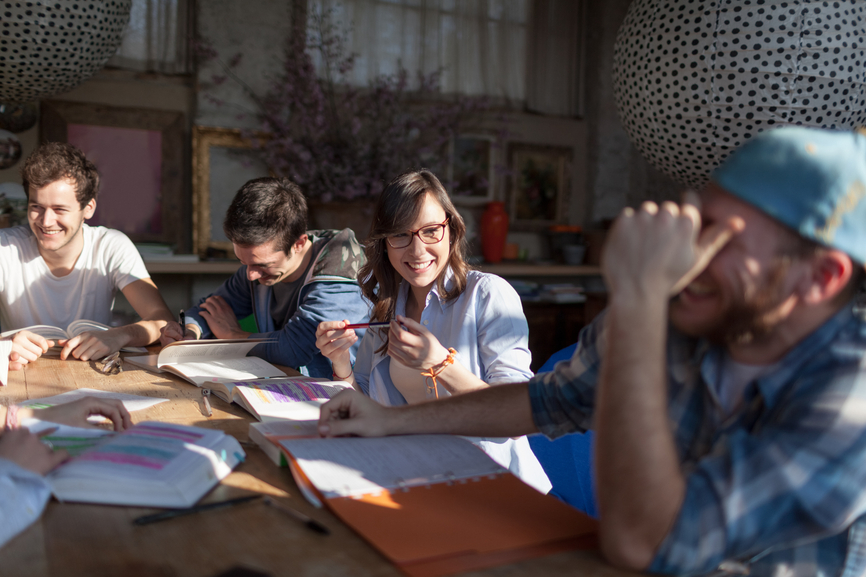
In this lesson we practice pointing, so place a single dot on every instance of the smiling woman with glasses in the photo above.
(452, 330)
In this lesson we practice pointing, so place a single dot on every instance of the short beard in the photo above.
(748, 321)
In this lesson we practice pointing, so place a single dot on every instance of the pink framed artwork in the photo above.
(139, 154)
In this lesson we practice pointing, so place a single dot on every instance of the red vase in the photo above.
(494, 229)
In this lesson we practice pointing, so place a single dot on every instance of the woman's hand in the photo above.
(27, 451)
(335, 341)
(76, 413)
(412, 345)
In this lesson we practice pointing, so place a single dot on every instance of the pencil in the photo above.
(367, 325)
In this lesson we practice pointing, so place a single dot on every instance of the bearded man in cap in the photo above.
(725, 381)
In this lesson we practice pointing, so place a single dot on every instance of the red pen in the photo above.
(367, 325)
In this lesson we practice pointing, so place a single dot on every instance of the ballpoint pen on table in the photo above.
(309, 522)
(147, 519)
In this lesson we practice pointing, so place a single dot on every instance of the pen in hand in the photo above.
(181, 318)
(367, 325)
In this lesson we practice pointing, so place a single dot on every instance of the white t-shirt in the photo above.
(32, 295)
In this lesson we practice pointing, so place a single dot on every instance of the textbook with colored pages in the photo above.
(75, 328)
(291, 398)
(152, 464)
(208, 361)
(434, 504)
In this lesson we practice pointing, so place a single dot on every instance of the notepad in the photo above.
(131, 402)
(435, 504)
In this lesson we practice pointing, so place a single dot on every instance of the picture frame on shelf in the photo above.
(224, 159)
(471, 171)
(540, 184)
(140, 156)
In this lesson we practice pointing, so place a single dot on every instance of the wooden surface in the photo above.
(72, 540)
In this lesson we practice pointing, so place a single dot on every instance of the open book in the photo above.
(149, 465)
(209, 361)
(292, 398)
(75, 328)
(435, 504)
(268, 434)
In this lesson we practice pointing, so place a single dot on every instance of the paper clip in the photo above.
(205, 401)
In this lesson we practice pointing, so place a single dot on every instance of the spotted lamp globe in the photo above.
(49, 47)
(695, 79)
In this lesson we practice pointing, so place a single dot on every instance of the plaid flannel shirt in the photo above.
(778, 487)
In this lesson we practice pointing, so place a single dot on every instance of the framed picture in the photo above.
(540, 183)
(140, 157)
(223, 161)
(471, 173)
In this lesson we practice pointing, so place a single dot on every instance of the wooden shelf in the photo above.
(528, 269)
(202, 267)
(503, 270)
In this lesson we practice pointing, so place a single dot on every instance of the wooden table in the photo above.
(72, 540)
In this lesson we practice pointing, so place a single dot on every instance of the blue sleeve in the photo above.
(235, 291)
(23, 495)
(295, 344)
(563, 400)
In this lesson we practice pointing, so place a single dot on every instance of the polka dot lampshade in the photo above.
(49, 47)
(695, 79)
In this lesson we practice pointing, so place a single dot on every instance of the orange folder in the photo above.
(453, 526)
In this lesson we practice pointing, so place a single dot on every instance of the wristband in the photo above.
(11, 417)
(339, 378)
(435, 370)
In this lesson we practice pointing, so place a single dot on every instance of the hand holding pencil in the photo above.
(334, 339)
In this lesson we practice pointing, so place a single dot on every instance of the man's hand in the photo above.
(661, 249)
(221, 319)
(172, 332)
(76, 413)
(93, 345)
(26, 348)
(414, 346)
(27, 451)
(354, 413)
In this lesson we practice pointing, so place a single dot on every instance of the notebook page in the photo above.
(347, 467)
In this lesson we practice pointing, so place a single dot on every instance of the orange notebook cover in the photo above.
(432, 525)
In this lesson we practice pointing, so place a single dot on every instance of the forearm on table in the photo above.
(640, 486)
(502, 411)
(457, 379)
(140, 334)
(22, 414)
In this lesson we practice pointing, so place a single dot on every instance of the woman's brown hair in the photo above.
(398, 206)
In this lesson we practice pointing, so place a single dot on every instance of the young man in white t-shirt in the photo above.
(60, 269)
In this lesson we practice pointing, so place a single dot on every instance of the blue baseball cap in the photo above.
(810, 179)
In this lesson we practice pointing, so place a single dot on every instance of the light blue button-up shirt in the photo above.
(487, 328)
